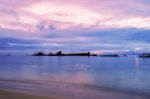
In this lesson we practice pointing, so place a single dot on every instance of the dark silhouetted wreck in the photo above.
(59, 53)
(109, 55)
(145, 55)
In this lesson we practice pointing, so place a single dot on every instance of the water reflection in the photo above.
(138, 97)
(137, 63)
(49, 69)
(81, 78)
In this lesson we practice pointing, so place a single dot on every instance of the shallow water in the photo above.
(76, 75)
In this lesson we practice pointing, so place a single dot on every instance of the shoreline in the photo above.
(7, 94)
(102, 94)
(61, 91)
(16, 95)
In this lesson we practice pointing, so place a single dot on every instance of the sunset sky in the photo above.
(74, 25)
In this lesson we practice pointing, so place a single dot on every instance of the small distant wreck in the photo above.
(145, 55)
(63, 54)
(109, 55)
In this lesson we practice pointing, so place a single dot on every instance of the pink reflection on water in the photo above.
(82, 78)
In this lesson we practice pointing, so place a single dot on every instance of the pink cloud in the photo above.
(73, 14)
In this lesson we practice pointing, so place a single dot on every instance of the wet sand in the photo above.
(15, 95)
(19, 89)
(54, 90)
(103, 94)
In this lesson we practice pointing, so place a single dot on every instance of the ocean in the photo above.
(76, 77)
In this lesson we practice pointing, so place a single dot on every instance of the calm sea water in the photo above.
(123, 73)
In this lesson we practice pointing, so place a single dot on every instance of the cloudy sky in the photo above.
(74, 25)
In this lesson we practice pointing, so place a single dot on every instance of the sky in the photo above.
(98, 26)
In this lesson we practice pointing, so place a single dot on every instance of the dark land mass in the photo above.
(63, 54)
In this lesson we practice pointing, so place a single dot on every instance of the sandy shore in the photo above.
(103, 95)
(14, 95)
(54, 90)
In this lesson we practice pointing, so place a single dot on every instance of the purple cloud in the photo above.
(91, 25)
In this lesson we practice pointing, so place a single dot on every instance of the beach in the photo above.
(102, 95)
(54, 90)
